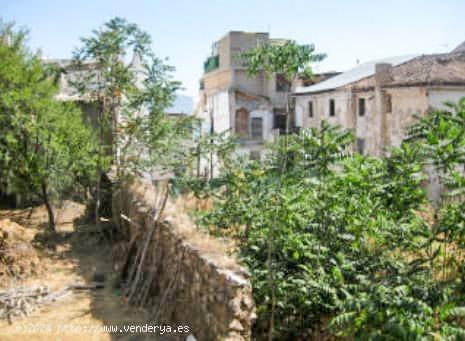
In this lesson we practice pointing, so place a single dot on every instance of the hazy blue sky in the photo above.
(184, 30)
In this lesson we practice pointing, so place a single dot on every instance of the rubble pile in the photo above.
(18, 258)
(22, 301)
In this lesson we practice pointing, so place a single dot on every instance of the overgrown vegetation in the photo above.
(289, 60)
(337, 243)
(46, 148)
(350, 245)
(131, 88)
(356, 241)
(46, 151)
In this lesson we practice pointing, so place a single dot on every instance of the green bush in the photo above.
(353, 238)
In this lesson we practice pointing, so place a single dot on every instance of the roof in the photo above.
(353, 75)
(435, 69)
(67, 63)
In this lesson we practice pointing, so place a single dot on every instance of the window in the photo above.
(238, 58)
(361, 146)
(282, 84)
(242, 122)
(254, 155)
(215, 48)
(361, 107)
(257, 128)
(387, 103)
(310, 109)
(332, 108)
(279, 120)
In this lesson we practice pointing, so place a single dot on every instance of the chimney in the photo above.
(382, 77)
(382, 73)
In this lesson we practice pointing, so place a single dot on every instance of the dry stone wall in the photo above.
(195, 285)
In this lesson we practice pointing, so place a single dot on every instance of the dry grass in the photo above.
(218, 251)
(177, 213)
(74, 258)
(18, 258)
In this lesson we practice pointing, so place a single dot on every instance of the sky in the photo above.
(183, 31)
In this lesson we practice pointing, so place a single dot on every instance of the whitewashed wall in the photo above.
(437, 97)
(321, 108)
(219, 106)
(267, 118)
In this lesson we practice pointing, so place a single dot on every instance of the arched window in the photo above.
(242, 122)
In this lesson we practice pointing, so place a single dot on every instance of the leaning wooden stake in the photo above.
(147, 239)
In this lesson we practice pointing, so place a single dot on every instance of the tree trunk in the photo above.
(212, 131)
(51, 216)
(97, 199)
(98, 192)
(198, 160)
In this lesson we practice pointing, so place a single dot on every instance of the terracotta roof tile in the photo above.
(433, 69)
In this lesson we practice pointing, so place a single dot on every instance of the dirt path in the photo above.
(74, 258)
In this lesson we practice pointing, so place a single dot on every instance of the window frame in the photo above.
(310, 109)
(241, 122)
(281, 83)
(253, 132)
(279, 120)
(362, 107)
(332, 107)
(388, 103)
(360, 145)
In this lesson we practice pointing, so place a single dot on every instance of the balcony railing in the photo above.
(211, 64)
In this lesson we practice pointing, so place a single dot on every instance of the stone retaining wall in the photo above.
(196, 284)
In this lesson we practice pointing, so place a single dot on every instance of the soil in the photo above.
(74, 255)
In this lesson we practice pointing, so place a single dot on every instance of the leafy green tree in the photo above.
(358, 251)
(291, 60)
(420, 297)
(348, 244)
(134, 134)
(440, 137)
(45, 149)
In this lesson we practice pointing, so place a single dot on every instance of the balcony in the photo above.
(212, 63)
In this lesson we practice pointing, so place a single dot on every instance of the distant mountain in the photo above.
(459, 48)
(182, 105)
